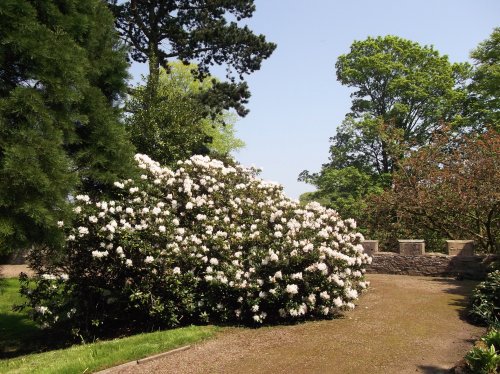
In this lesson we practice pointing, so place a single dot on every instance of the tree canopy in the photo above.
(485, 86)
(206, 32)
(403, 94)
(179, 125)
(62, 70)
(401, 84)
(402, 91)
(344, 189)
(449, 187)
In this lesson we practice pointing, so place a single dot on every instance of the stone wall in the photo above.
(431, 264)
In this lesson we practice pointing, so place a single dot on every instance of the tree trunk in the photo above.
(385, 158)
(154, 75)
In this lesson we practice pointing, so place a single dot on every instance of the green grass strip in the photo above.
(18, 331)
(92, 357)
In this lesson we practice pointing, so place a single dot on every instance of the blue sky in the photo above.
(296, 101)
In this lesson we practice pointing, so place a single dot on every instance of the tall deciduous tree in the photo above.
(61, 74)
(178, 125)
(484, 105)
(206, 32)
(402, 84)
(402, 91)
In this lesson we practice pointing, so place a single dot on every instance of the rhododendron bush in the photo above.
(206, 242)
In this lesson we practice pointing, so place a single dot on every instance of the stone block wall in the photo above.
(431, 264)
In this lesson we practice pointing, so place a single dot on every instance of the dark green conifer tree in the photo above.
(62, 74)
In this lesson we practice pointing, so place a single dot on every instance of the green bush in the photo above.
(492, 338)
(483, 360)
(485, 301)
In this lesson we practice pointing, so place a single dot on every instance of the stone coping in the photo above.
(429, 254)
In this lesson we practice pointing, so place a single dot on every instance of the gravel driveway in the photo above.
(404, 324)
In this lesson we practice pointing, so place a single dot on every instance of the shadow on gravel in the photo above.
(462, 288)
(427, 369)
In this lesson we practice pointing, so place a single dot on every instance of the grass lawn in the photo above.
(18, 334)
(92, 357)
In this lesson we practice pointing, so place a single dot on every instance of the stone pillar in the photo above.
(370, 246)
(412, 247)
(460, 247)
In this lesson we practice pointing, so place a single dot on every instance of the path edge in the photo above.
(143, 360)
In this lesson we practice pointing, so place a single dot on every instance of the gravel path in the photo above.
(12, 271)
(404, 324)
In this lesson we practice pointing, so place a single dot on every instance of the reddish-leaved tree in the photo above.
(450, 187)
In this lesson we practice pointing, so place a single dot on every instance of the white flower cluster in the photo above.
(245, 251)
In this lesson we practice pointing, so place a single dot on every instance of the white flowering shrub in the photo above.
(206, 242)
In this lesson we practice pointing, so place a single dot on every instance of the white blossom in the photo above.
(324, 295)
(83, 231)
(351, 294)
(99, 254)
(42, 309)
(49, 277)
(292, 289)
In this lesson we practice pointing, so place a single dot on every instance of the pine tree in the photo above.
(205, 32)
(62, 73)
